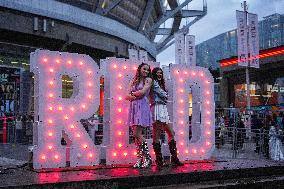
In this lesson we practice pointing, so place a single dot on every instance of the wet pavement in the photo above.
(127, 177)
(219, 171)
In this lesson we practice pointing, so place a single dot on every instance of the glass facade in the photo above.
(271, 34)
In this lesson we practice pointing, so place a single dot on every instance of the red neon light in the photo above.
(263, 54)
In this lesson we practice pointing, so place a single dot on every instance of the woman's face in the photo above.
(159, 75)
(145, 69)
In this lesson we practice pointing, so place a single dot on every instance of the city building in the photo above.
(266, 82)
(271, 34)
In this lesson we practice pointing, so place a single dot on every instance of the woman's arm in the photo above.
(129, 88)
(147, 86)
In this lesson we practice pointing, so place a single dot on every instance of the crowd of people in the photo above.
(266, 130)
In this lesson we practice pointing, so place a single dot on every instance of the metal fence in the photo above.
(232, 142)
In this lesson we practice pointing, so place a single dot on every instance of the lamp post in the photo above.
(244, 5)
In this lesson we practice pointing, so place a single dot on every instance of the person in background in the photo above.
(275, 144)
(19, 129)
(139, 115)
(161, 118)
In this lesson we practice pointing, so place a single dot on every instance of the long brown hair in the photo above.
(138, 76)
(155, 77)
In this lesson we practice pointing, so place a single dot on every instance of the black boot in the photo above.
(158, 153)
(173, 150)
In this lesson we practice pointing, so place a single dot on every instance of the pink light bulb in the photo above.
(114, 66)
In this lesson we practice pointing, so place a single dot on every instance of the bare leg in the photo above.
(169, 131)
(137, 133)
(156, 132)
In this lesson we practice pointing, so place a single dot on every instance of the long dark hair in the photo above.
(138, 76)
(155, 77)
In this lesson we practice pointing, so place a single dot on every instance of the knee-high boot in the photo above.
(158, 153)
(173, 150)
(139, 155)
(146, 154)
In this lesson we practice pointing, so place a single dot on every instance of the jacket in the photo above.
(159, 96)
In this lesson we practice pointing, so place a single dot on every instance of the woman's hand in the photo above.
(130, 97)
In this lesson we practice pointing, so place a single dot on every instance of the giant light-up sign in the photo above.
(199, 79)
(117, 75)
(56, 114)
